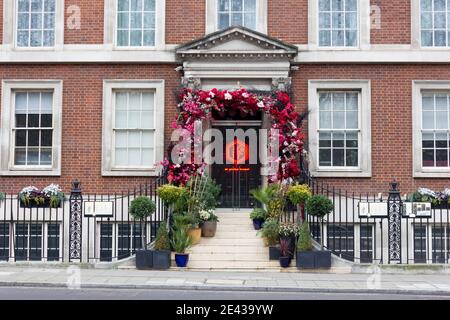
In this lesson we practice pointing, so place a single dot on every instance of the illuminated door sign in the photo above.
(237, 152)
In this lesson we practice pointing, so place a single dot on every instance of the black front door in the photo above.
(237, 176)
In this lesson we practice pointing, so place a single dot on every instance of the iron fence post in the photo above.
(75, 226)
(395, 209)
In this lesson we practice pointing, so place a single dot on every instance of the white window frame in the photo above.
(7, 167)
(365, 141)
(363, 41)
(416, 29)
(10, 27)
(109, 86)
(211, 22)
(110, 27)
(418, 170)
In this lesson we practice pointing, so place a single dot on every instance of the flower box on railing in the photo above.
(50, 197)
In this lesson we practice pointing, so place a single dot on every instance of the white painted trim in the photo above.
(416, 42)
(365, 147)
(7, 117)
(211, 16)
(363, 27)
(10, 28)
(110, 27)
(417, 87)
(107, 146)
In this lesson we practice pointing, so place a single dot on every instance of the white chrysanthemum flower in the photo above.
(228, 96)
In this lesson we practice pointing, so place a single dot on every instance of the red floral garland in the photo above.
(199, 104)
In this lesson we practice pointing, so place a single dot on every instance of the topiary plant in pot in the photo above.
(258, 217)
(270, 232)
(320, 206)
(140, 209)
(180, 243)
(299, 194)
(161, 253)
(305, 255)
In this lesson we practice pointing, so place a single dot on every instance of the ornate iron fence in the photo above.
(382, 228)
(84, 228)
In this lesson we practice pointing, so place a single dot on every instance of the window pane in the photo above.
(440, 38)
(224, 20)
(351, 20)
(442, 158)
(442, 120)
(149, 5)
(134, 139)
(426, 19)
(428, 102)
(136, 20)
(325, 157)
(325, 20)
(122, 38)
(337, 5)
(250, 20)
(325, 38)
(33, 138)
(224, 5)
(338, 20)
(136, 5)
(33, 120)
(428, 158)
(352, 158)
(49, 5)
(428, 140)
(324, 5)
(147, 157)
(426, 5)
(325, 140)
(123, 20)
(46, 138)
(149, 20)
(351, 5)
(21, 138)
(23, 6)
(325, 120)
(428, 120)
(338, 38)
(149, 38)
(134, 157)
(352, 101)
(123, 5)
(236, 19)
(351, 38)
(439, 5)
(121, 157)
(136, 38)
(338, 120)
(36, 5)
(148, 139)
(439, 20)
(236, 5)
(338, 140)
(427, 38)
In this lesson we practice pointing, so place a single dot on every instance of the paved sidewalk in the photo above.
(74, 277)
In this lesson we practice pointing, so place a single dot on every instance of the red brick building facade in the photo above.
(387, 55)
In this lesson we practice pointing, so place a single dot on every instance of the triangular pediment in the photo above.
(237, 42)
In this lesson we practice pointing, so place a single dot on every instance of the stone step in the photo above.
(237, 235)
(233, 264)
(236, 227)
(225, 257)
(204, 249)
(231, 242)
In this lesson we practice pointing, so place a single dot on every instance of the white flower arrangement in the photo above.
(28, 190)
(52, 190)
(427, 192)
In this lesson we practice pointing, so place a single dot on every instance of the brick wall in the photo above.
(91, 28)
(391, 119)
(82, 120)
(288, 20)
(395, 22)
(185, 20)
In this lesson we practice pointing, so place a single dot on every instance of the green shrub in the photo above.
(319, 206)
(304, 240)
(270, 231)
(210, 193)
(170, 194)
(180, 241)
(185, 221)
(299, 194)
(258, 213)
(141, 208)
(162, 241)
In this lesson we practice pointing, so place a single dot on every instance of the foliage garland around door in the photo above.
(198, 105)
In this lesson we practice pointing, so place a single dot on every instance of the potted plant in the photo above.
(320, 206)
(285, 253)
(305, 256)
(194, 230)
(161, 252)
(272, 198)
(209, 223)
(258, 216)
(170, 194)
(270, 232)
(289, 231)
(180, 243)
(140, 209)
(298, 195)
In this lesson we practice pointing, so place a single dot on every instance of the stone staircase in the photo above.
(235, 246)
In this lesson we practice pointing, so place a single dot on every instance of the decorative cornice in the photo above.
(269, 47)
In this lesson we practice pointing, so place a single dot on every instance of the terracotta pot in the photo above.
(209, 229)
(195, 234)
